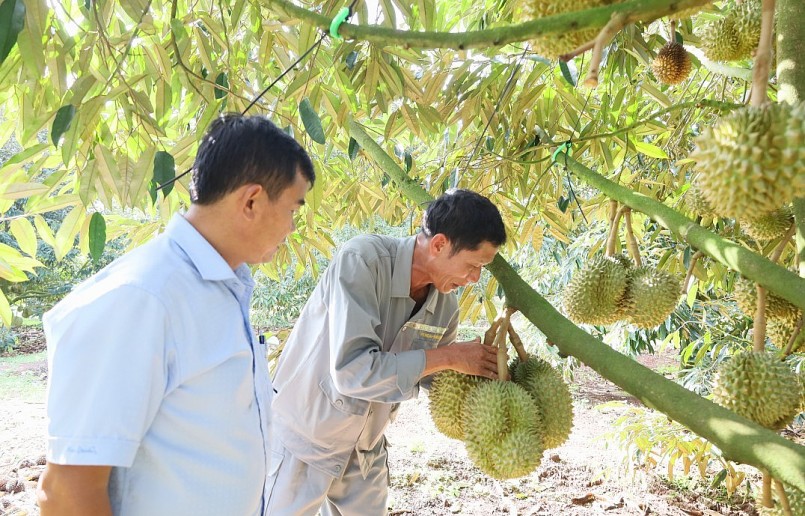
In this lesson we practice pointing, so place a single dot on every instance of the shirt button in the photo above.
(338, 468)
(338, 403)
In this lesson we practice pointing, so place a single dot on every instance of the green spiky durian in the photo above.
(502, 430)
(550, 392)
(745, 293)
(554, 45)
(752, 161)
(672, 64)
(447, 394)
(770, 225)
(695, 201)
(594, 293)
(651, 297)
(759, 387)
(746, 18)
(779, 332)
(721, 41)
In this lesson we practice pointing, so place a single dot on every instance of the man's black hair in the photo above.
(466, 218)
(239, 150)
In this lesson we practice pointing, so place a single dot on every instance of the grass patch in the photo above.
(20, 383)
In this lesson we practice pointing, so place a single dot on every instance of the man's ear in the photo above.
(439, 244)
(248, 198)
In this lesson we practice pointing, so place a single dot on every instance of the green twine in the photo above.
(340, 18)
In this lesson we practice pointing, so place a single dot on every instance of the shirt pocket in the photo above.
(426, 336)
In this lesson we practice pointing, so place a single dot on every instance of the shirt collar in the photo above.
(207, 261)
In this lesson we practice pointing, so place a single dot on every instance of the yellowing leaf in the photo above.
(650, 150)
(65, 236)
(23, 231)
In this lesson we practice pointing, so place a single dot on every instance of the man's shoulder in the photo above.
(371, 247)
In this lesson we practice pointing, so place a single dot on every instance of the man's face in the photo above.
(451, 271)
(276, 220)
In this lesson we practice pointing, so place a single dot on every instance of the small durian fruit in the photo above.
(554, 45)
(770, 225)
(447, 394)
(752, 161)
(779, 332)
(502, 430)
(594, 293)
(672, 64)
(721, 41)
(696, 203)
(760, 387)
(550, 392)
(777, 308)
(651, 297)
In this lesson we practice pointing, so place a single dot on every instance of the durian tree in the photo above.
(556, 110)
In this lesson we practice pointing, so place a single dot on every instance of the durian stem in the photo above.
(778, 251)
(672, 32)
(759, 341)
(577, 52)
(613, 210)
(614, 231)
(794, 336)
(778, 486)
(762, 66)
(766, 500)
(631, 241)
(616, 23)
(691, 267)
(517, 342)
(500, 343)
(491, 333)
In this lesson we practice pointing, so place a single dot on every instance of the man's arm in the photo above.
(74, 490)
(465, 357)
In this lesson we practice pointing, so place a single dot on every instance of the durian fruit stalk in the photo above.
(672, 64)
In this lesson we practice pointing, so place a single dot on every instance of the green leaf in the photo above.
(563, 202)
(222, 81)
(650, 150)
(312, 122)
(12, 19)
(569, 72)
(64, 117)
(97, 235)
(164, 170)
(354, 147)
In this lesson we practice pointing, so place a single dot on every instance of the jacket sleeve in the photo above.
(358, 365)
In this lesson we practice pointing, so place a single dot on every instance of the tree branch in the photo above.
(633, 10)
(618, 22)
(691, 267)
(760, 70)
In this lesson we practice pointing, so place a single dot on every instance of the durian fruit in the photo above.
(745, 293)
(760, 387)
(554, 45)
(721, 41)
(796, 501)
(447, 394)
(550, 392)
(769, 225)
(672, 64)
(746, 18)
(651, 297)
(502, 430)
(695, 201)
(594, 293)
(779, 332)
(752, 161)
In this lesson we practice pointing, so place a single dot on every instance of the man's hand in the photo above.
(470, 357)
(74, 490)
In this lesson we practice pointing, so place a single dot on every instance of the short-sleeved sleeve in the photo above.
(106, 357)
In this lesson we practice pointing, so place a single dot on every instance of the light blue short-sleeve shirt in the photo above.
(154, 370)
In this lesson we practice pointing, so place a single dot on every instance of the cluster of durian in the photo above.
(610, 289)
(505, 425)
(672, 64)
(554, 45)
(734, 36)
(759, 386)
(782, 317)
(751, 163)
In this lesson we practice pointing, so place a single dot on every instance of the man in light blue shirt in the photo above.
(158, 393)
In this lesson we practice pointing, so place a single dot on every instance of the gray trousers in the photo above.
(295, 489)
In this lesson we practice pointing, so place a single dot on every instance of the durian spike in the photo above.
(500, 343)
(631, 241)
(794, 336)
(614, 231)
(760, 70)
(691, 267)
(759, 342)
(517, 342)
(778, 486)
(615, 24)
(491, 333)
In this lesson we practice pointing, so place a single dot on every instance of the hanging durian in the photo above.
(672, 64)
(770, 225)
(594, 293)
(745, 293)
(695, 201)
(734, 36)
(760, 387)
(552, 396)
(651, 296)
(447, 394)
(752, 161)
(502, 429)
(779, 332)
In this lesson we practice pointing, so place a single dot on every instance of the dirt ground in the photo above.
(430, 473)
